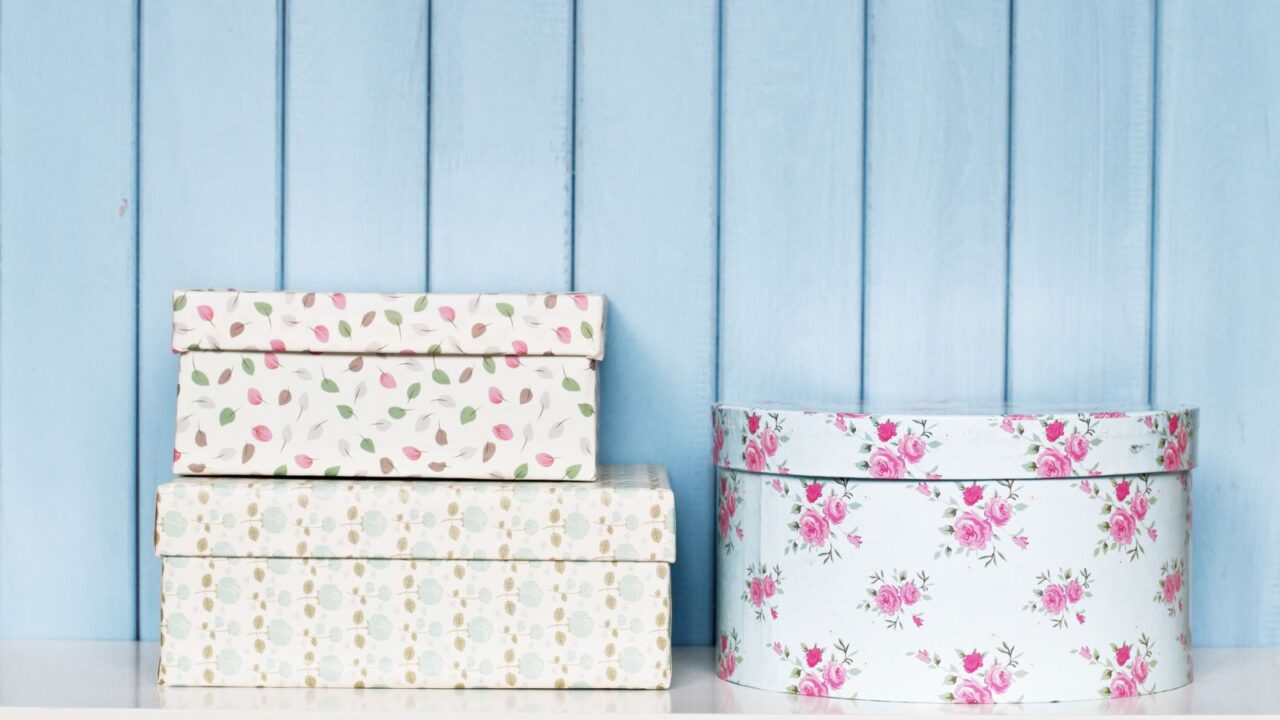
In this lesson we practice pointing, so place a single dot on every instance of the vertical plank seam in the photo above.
(1153, 249)
(718, 240)
(137, 319)
(282, 75)
(862, 219)
(426, 151)
(573, 146)
(1008, 204)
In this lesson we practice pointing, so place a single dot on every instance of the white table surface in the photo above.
(46, 679)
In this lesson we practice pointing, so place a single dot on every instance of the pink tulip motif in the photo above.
(411, 452)
(255, 397)
(581, 301)
(339, 300)
(502, 432)
(271, 361)
(206, 313)
(322, 333)
(303, 461)
(448, 315)
(563, 334)
(544, 459)
(386, 380)
(262, 433)
(277, 346)
(495, 396)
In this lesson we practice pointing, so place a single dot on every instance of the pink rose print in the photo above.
(753, 456)
(1175, 441)
(1053, 431)
(769, 441)
(819, 671)
(978, 527)
(890, 594)
(979, 677)
(819, 514)
(761, 585)
(728, 527)
(892, 451)
(730, 655)
(972, 494)
(1173, 423)
(718, 445)
(1125, 523)
(762, 438)
(1060, 445)
(1126, 669)
(1077, 447)
(1169, 586)
(1172, 457)
(753, 424)
(1057, 596)
(1052, 463)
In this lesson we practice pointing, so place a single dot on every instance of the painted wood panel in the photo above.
(355, 146)
(1217, 339)
(210, 211)
(790, 201)
(501, 145)
(645, 211)
(1081, 220)
(67, 322)
(936, 190)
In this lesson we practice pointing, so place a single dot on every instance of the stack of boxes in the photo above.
(402, 491)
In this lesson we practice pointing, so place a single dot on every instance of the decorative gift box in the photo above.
(967, 558)
(425, 385)
(366, 583)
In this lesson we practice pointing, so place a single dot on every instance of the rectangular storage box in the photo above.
(335, 583)
(424, 385)
(965, 557)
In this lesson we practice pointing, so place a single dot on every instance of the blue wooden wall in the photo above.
(897, 200)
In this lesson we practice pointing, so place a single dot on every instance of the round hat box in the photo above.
(932, 556)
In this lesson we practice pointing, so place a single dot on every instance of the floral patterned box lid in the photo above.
(937, 442)
(568, 324)
(628, 514)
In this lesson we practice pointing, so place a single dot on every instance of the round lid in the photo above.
(942, 442)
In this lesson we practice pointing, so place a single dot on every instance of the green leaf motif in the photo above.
(366, 445)
(227, 416)
(440, 376)
(394, 317)
(586, 330)
(346, 412)
(489, 365)
(571, 385)
(586, 409)
(344, 328)
(522, 471)
(468, 414)
(333, 471)
(414, 389)
(572, 471)
(199, 378)
(396, 412)
(328, 385)
(420, 304)
(281, 471)
(179, 302)
(247, 364)
(264, 309)
(505, 310)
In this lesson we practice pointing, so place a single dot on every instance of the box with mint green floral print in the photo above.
(292, 582)
(960, 555)
(494, 386)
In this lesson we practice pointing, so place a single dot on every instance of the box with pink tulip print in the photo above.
(935, 554)
(500, 386)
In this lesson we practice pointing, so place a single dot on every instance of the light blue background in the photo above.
(971, 199)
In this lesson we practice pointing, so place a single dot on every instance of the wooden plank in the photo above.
(68, 329)
(1081, 223)
(355, 146)
(937, 173)
(645, 234)
(790, 201)
(210, 200)
(501, 153)
(1217, 253)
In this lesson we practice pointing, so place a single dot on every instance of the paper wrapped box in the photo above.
(424, 385)
(929, 556)
(391, 583)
